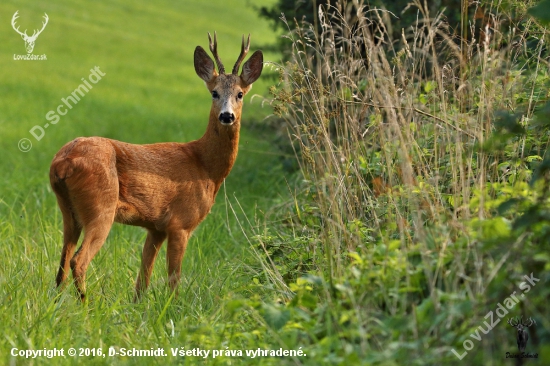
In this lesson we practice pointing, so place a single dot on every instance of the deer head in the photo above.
(29, 41)
(227, 89)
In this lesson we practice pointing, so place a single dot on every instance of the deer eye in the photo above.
(240, 95)
(215, 95)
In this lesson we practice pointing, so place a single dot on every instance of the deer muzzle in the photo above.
(227, 118)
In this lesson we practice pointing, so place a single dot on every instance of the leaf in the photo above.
(309, 301)
(541, 11)
(394, 244)
(314, 280)
(274, 317)
(541, 257)
(425, 310)
(356, 258)
(533, 158)
(507, 205)
(530, 217)
(540, 171)
(496, 228)
(234, 305)
(509, 123)
(429, 86)
(422, 98)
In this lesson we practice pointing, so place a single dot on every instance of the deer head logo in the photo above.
(29, 40)
(522, 336)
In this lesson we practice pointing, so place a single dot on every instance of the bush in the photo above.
(414, 219)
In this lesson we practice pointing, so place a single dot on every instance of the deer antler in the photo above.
(24, 34)
(214, 50)
(530, 320)
(13, 19)
(511, 322)
(35, 34)
(244, 51)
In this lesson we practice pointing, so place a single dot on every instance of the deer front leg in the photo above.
(177, 242)
(150, 250)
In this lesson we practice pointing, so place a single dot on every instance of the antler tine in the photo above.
(37, 32)
(214, 50)
(46, 19)
(13, 20)
(511, 322)
(244, 51)
(530, 320)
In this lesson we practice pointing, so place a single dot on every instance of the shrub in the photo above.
(402, 238)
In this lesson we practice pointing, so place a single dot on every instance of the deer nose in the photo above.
(227, 118)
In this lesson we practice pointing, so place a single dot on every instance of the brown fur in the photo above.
(167, 188)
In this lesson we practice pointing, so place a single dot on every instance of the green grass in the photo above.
(150, 93)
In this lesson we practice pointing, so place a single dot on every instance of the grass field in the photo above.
(150, 93)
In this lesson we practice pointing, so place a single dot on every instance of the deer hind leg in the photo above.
(177, 242)
(150, 250)
(96, 207)
(95, 234)
(95, 192)
(71, 233)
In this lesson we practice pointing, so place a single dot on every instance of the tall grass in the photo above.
(398, 212)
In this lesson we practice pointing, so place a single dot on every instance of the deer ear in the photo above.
(252, 69)
(204, 66)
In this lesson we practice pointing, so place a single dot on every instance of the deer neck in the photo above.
(218, 147)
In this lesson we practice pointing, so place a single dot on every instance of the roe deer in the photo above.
(167, 188)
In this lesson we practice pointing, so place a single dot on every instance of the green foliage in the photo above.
(541, 11)
(424, 201)
(396, 16)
